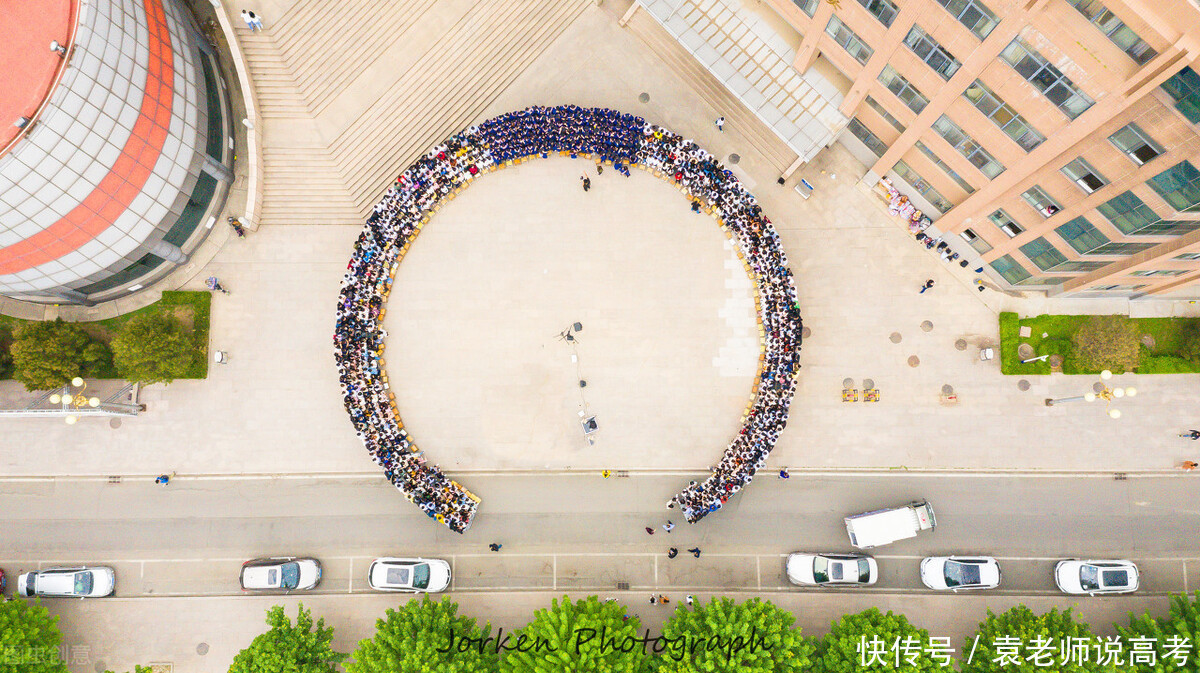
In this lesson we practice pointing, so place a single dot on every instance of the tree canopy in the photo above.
(1157, 644)
(1019, 641)
(409, 640)
(49, 354)
(886, 641)
(751, 637)
(29, 638)
(586, 635)
(153, 348)
(303, 647)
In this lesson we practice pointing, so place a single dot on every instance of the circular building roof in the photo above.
(30, 68)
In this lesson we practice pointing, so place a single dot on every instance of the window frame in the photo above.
(1178, 186)
(963, 7)
(809, 7)
(929, 50)
(882, 112)
(871, 137)
(1027, 140)
(1110, 24)
(881, 7)
(975, 241)
(905, 87)
(851, 37)
(1006, 263)
(1045, 77)
(967, 146)
(1132, 152)
(937, 161)
(1039, 200)
(1079, 181)
(1047, 256)
(1009, 223)
(902, 169)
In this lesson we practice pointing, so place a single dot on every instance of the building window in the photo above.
(869, 139)
(1136, 144)
(967, 146)
(1014, 125)
(1010, 269)
(1043, 254)
(904, 91)
(1184, 87)
(1006, 223)
(1081, 235)
(1179, 186)
(1081, 173)
(887, 117)
(1046, 78)
(1039, 200)
(975, 241)
(935, 55)
(1116, 30)
(846, 37)
(973, 14)
(1131, 216)
(1188, 256)
(1123, 288)
(884, 10)
(937, 161)
(1160, 272)
(1122, 249)
(807, 6)
(1079, 266)
(924, 188)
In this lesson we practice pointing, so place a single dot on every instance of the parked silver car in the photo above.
(81, 582)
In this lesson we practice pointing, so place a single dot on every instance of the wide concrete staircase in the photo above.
(352, 91)
(691, 71)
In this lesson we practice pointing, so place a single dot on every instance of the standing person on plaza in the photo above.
(672, 552)
(587, 183)
(695, 551)
(668, 526)
(928, 284)
(720, 123)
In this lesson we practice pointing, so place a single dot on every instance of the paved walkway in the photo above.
(659, 379)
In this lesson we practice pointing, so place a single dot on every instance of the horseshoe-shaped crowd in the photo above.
(623, 141)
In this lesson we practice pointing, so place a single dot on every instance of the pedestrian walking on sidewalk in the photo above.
(1192, 434)
(215, 285)
(663, 599)
(928, 284)
(495, 546)
(668, 526)
(672, 552)
(784, 474)
(695, 551)
(649, 530)
(689, 599)
(252, 21)
(1189, 465)
(720, 122)
(587, 183)
(653, 599)
(163, 480)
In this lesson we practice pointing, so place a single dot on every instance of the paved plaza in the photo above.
(486, 386)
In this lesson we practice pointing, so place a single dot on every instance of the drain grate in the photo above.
(1120, 476)
(622, 586)
(114, 479)
(623, 473)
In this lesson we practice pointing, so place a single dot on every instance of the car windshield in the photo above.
(421, 576)
(864, 570)
(1115, 578)
(961, 574)
(291, 575)
(1089, 578)
(83, 583)
(398, 576)
(821, 570)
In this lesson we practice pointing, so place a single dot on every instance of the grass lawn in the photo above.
(1051, 334)
(192, 309)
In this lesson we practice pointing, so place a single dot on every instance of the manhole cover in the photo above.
(644, 97)
(1025, 351)
(734, 158)
(913, 361)
(202, 649)
(847, 383)
(895, 337)
(961, 344)
(947, 389)
(114, 423)
(868, 383)
(1148, 341)
(1098, 387)
(1022, 385)
(1056, 360)
(805, 332)
(927, 326)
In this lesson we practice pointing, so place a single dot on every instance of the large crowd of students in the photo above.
(610, 137)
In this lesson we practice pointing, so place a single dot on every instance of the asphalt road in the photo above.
(583, 532)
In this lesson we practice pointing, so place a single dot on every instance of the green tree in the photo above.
(295, 648)
(1107, 342)
(1019, 641)
(1189, 340)
(49, 354)
(29, 638)
(407, 640)
(752, 637)
(1165, 637)
(872, 640)
(587, 635)
(153, 348)
(138, 668)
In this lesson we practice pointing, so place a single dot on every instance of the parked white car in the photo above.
(281, 574)
(831, 570)
(81, 582)
(417, 575)
(1096, 577)
(955, 573)
(885, 526)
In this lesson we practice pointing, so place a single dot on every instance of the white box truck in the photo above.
(885, 526)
